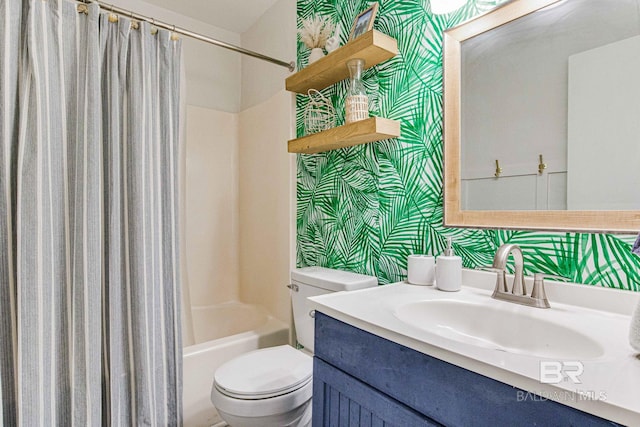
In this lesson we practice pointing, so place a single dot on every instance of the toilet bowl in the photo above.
(272, 387)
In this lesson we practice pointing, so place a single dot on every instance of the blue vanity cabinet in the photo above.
(346, 401)
(361, 379)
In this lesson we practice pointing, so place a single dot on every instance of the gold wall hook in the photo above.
(498, 169)
(82, 8)
(541, 165)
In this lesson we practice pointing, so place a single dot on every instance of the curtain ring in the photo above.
(113, 18)
(134, 23)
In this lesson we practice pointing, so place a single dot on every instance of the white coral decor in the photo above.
(315, 31)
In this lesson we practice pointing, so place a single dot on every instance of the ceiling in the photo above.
(233, 15)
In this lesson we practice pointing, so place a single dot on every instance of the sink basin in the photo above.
(500, 328)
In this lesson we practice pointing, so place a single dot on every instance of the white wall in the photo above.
(274, 35)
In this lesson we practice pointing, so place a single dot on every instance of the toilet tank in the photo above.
(312, 281)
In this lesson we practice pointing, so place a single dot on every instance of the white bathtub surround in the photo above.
(267, 206)
(222, 332)
(599, 317)
(233, 215)
(211, 209)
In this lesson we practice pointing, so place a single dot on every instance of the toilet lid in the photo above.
(264, 373)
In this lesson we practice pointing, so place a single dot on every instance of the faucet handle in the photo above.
(538, 291)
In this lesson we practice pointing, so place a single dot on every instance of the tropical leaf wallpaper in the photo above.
(366, 208)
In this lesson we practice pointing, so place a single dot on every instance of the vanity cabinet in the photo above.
(361, 379)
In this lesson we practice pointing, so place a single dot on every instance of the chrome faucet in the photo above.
(500, 266)
(518, 292)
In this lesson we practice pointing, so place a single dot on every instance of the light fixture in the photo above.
(441, 7)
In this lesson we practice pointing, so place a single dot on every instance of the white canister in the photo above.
(421, 270)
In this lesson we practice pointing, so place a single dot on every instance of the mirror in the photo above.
(542, 117)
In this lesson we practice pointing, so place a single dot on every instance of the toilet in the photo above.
(272, 387)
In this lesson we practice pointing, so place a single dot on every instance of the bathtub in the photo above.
(221, 333)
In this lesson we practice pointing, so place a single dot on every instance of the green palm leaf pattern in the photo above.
(366, 208)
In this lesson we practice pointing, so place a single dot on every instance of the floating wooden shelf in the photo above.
(362, 132)
(373, 46)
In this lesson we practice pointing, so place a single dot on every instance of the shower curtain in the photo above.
(89, 280)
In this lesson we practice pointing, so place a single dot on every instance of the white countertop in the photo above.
(609, 385)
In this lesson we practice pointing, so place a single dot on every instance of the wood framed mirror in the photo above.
(541, 126)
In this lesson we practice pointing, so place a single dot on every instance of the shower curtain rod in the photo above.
(130, 14)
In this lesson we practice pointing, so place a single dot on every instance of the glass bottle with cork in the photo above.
(357, 103)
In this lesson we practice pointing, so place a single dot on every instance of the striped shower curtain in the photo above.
(89, 281)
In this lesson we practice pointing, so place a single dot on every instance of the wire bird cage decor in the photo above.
(319, 114)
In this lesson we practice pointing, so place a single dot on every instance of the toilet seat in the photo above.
(264, 382)
(264, 373)
(260, 397)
